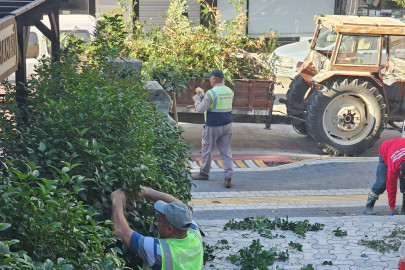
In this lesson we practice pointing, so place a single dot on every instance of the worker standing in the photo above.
(217, 106)
(391, 166)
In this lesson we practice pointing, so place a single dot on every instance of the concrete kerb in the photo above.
(398, 219)
(314, 161)
(327, 159)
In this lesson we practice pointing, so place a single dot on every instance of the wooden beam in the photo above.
(21, 73)
(14, 3)
(55, 33)
(5, 13)
(92, 7)
(397, 31)
(44, 29)
(22, 39)
(31, 16)
(28, 7)
(8, 8)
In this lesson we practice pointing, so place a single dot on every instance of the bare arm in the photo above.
(153, 195)
(120, 226)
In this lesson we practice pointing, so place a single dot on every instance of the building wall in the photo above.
(293, 19)
(154, 11)
(75, 7)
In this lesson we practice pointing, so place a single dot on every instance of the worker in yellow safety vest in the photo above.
(217, 106)
(180, 244)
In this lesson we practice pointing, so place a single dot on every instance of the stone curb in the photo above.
(314, 161)
(326, 220)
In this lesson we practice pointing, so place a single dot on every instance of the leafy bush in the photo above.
(180, 51)
(51, 223)
(89, 131)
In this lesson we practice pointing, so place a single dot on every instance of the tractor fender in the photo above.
(319, 78)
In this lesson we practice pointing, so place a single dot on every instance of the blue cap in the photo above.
(216, 73)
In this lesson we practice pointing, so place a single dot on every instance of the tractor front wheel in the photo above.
(297, 93)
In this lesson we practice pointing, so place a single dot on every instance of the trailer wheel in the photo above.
(346, 116)
(296, 93)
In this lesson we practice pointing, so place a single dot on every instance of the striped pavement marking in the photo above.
(242, 165)
(214, 165)
(203, 201)
(260, 163)
(239, 164)
(218, 164)
(250, 164)
(193, 164)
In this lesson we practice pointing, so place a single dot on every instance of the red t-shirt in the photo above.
(393, 153)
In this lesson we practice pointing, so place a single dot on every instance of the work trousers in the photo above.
(380, 184)
(222, 136)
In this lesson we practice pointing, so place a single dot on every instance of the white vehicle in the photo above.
(38, 45)
(288, 56)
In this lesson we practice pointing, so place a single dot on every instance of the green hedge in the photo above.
(90, 131)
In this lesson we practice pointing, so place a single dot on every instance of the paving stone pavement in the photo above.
(331, 192)
(344, 252)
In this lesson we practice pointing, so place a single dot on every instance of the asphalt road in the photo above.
(253, 139)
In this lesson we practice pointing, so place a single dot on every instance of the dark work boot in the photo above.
(403, 204)
(372, 198)
(228, 182)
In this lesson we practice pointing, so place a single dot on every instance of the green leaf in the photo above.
(82, 132)
(82, 244)
(42, 188)
(48, 264)
(19, 174)
(107, 263)
(4, 226)
(35, 173)
(56, 169)
(118, 250)
(67, 267)
(12, 242)
(67, 164)
(52, 201)
(42, 147)
(75, 165)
